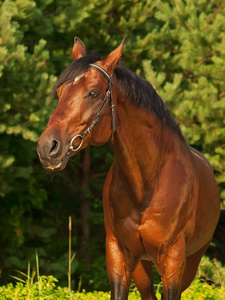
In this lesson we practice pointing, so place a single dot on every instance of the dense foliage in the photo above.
(209, 284)
(179, 46)
(197, 291)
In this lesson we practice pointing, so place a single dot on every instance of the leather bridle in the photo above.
(108, 97)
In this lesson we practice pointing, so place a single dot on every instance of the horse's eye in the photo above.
(93, 94)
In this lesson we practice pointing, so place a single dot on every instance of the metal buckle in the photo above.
(71, 143)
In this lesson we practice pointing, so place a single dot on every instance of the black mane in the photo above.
(76, 68)
(142, 94)
(139, 91)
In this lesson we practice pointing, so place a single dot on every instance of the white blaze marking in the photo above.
(77, 78)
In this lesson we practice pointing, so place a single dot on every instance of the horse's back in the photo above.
(201, 157)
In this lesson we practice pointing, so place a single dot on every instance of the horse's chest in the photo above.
(126, 230)
(125, 222)
(147, 221)
(125, 218)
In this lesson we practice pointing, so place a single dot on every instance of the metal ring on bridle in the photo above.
(71, 143)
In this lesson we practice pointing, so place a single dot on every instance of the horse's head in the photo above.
(85, 111)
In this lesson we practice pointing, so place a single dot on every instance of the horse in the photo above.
(160, 199)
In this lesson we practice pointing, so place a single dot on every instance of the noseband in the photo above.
(104, 105)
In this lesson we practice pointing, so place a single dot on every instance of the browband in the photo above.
(100, 69)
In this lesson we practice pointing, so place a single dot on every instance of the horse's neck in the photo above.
(139, 146)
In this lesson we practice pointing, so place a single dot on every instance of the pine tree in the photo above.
(25, 82)
(190, 75)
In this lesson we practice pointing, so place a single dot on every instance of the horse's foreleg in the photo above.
(143, 279)
(171, 266)
(119, 275)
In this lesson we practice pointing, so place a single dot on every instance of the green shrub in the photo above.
(46, 288)
(177, 45)
(211, 272)
(202, 291)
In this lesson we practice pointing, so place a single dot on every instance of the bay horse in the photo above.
(160, 198)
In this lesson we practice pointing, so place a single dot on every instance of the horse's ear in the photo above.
(79, 49)
(111, 62)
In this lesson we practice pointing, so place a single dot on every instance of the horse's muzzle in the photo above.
(51, 154)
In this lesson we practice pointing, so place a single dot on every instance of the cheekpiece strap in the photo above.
(108, 94)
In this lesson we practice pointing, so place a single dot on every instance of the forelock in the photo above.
(74, 70)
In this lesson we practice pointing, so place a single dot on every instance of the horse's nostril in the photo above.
(54, 148)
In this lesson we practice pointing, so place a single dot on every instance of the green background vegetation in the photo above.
(209, 284)
(179, 46)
